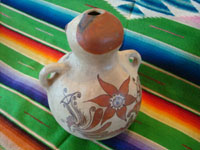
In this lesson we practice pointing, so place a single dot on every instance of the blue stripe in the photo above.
(119, 144)
(164, 56)
(152, 51)
(43, 10)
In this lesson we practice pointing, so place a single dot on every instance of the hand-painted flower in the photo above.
(115, 100)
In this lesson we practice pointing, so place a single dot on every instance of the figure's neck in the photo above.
(99, 61)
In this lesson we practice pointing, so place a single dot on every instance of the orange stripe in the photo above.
(30, 44)
(20, 138)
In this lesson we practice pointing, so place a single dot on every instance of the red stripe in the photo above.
(90, 6)
(36, 119)
(170, 109)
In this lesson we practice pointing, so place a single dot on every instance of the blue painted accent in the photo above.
(182, 4)
(126, 7)
(164, 56)
(137, 11)
(154, 5)
(43, 10)
(152, 51)
(198, 1)
(131, 9)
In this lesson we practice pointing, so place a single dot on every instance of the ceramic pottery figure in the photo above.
(94, 92)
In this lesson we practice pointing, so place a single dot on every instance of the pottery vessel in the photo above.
(94, 91)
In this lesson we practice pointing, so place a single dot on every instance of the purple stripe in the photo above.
(135, 141)
(22, 83)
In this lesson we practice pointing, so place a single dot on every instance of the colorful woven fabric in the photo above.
(165, 32)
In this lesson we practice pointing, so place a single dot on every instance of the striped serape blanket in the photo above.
(165, 32)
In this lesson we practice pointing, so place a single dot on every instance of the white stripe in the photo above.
(24, 14)
(21, 63)
(170, 74)
(44, 31)
(28, 130)
(171, 100)
(32, 37)
(26, 98)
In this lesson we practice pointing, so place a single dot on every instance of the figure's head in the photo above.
(95, 31)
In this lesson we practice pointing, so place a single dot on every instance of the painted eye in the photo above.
(79, 95)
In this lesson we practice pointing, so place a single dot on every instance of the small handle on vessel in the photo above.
(135, 56)
(51, 68)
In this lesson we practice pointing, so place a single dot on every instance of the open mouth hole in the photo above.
(94, 13)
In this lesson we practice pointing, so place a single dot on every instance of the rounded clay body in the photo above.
(94, 91)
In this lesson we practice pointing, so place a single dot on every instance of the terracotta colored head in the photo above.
(99, 32)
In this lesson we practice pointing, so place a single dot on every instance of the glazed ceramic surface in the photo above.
(94, 92)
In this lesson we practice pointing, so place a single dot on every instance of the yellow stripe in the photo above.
(25, 52)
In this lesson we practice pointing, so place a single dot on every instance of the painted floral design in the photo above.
(116, 100)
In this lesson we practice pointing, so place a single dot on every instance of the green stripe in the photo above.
(74, 143)
(13, 59)
(161, 133)
(173, 88)
(29, 26)
(55, 134)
